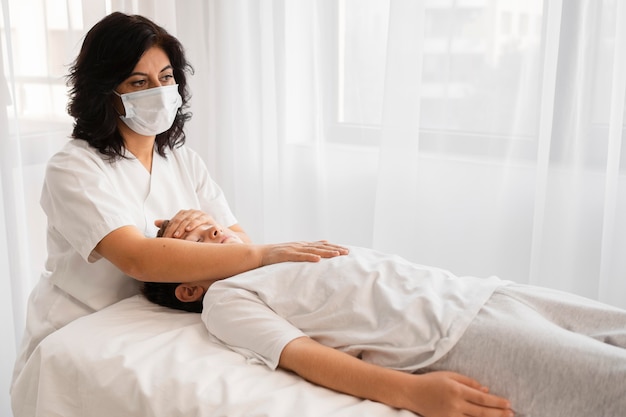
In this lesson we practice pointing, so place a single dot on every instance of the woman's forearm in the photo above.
(176, 260)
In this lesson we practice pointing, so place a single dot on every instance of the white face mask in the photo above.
(152, 111)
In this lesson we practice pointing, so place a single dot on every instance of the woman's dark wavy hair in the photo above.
(163, 293)
(109, 53)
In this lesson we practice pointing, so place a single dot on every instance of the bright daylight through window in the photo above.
(475, 54)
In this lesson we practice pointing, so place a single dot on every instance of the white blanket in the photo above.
(138, 359)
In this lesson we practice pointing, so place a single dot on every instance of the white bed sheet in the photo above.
(138, 359)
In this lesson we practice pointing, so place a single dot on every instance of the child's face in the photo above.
(214, 233)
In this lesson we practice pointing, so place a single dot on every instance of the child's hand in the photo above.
(447, 394)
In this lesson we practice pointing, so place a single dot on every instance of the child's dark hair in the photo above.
(164, 293)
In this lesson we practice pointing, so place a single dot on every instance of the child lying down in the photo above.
(379, 327)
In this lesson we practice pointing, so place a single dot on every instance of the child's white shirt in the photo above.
(375, 306)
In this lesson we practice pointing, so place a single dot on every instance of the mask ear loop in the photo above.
(161, 231)
(122, 102)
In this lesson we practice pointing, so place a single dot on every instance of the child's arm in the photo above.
(436, 394)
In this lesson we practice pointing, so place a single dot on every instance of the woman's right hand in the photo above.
(300, 252)
(191, 221)
(183, 222)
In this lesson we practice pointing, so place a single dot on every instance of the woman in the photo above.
(125, 168)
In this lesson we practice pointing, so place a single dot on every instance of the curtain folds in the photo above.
(484, 137)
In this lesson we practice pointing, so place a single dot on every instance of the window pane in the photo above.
(38, 49)
(477, 55)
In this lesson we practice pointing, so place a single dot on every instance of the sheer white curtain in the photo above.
(481, 136)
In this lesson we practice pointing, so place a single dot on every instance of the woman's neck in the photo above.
(142, 147)
(144, 154)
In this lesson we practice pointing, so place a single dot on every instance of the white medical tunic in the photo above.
(86, 196)
(374, 306)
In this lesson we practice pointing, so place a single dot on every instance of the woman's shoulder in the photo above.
(77, 155)
(76, 149)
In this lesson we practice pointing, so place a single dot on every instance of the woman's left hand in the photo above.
(185, 221)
